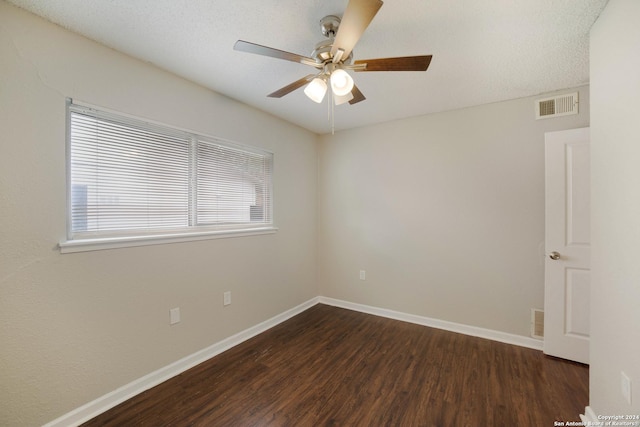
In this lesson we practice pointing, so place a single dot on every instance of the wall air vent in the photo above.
(562, 105)
(537, 323)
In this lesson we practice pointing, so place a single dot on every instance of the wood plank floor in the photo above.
(334, 367)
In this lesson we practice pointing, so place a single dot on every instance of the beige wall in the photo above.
(445, 213)
(615, 142)
(76, 326)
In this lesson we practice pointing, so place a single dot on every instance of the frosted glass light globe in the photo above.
(341, 82)
(316, 90)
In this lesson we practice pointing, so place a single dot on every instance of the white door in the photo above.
(568, 244)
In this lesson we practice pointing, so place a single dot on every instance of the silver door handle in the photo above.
(554, 255)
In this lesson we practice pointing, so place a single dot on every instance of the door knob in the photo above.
(554, 255)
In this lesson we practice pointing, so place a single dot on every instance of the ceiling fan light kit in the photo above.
(333, 57)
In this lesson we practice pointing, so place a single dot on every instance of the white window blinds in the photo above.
(129, 177)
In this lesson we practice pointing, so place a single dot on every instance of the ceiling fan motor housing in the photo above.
(322, 52)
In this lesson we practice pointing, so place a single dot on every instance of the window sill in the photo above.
(85, 245)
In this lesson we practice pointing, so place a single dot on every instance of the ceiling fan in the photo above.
(333, 57)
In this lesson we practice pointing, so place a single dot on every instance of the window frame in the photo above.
(90, 241)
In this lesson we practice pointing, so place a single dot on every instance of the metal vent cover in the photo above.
(537, 323)
(556, 106)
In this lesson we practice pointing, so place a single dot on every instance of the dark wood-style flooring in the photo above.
(334, 367)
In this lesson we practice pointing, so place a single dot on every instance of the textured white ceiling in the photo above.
(483, 51)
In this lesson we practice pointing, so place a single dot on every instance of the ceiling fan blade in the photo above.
(356, 19)
(291, 87)
(249, 47)
(405, 63)
(357, 95)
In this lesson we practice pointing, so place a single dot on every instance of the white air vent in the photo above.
(562, 105)
(537, 323)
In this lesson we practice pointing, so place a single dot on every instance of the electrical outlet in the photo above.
(174, 316)
(625, 383)
(226, 298)
(363, 274)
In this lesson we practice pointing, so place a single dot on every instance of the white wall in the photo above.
(76, 326)
(445, 213)
(615, 136)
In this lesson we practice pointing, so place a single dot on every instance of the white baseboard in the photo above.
(474, 331)
(589, 417)
(109, 400)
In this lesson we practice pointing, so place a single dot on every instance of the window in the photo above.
(134, 182)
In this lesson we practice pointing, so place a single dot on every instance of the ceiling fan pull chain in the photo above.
(332, 102)
(329, 96)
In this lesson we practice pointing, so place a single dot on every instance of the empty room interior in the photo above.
(453, 239)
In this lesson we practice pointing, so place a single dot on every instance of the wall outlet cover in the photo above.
(625, 384)
(174, 316)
